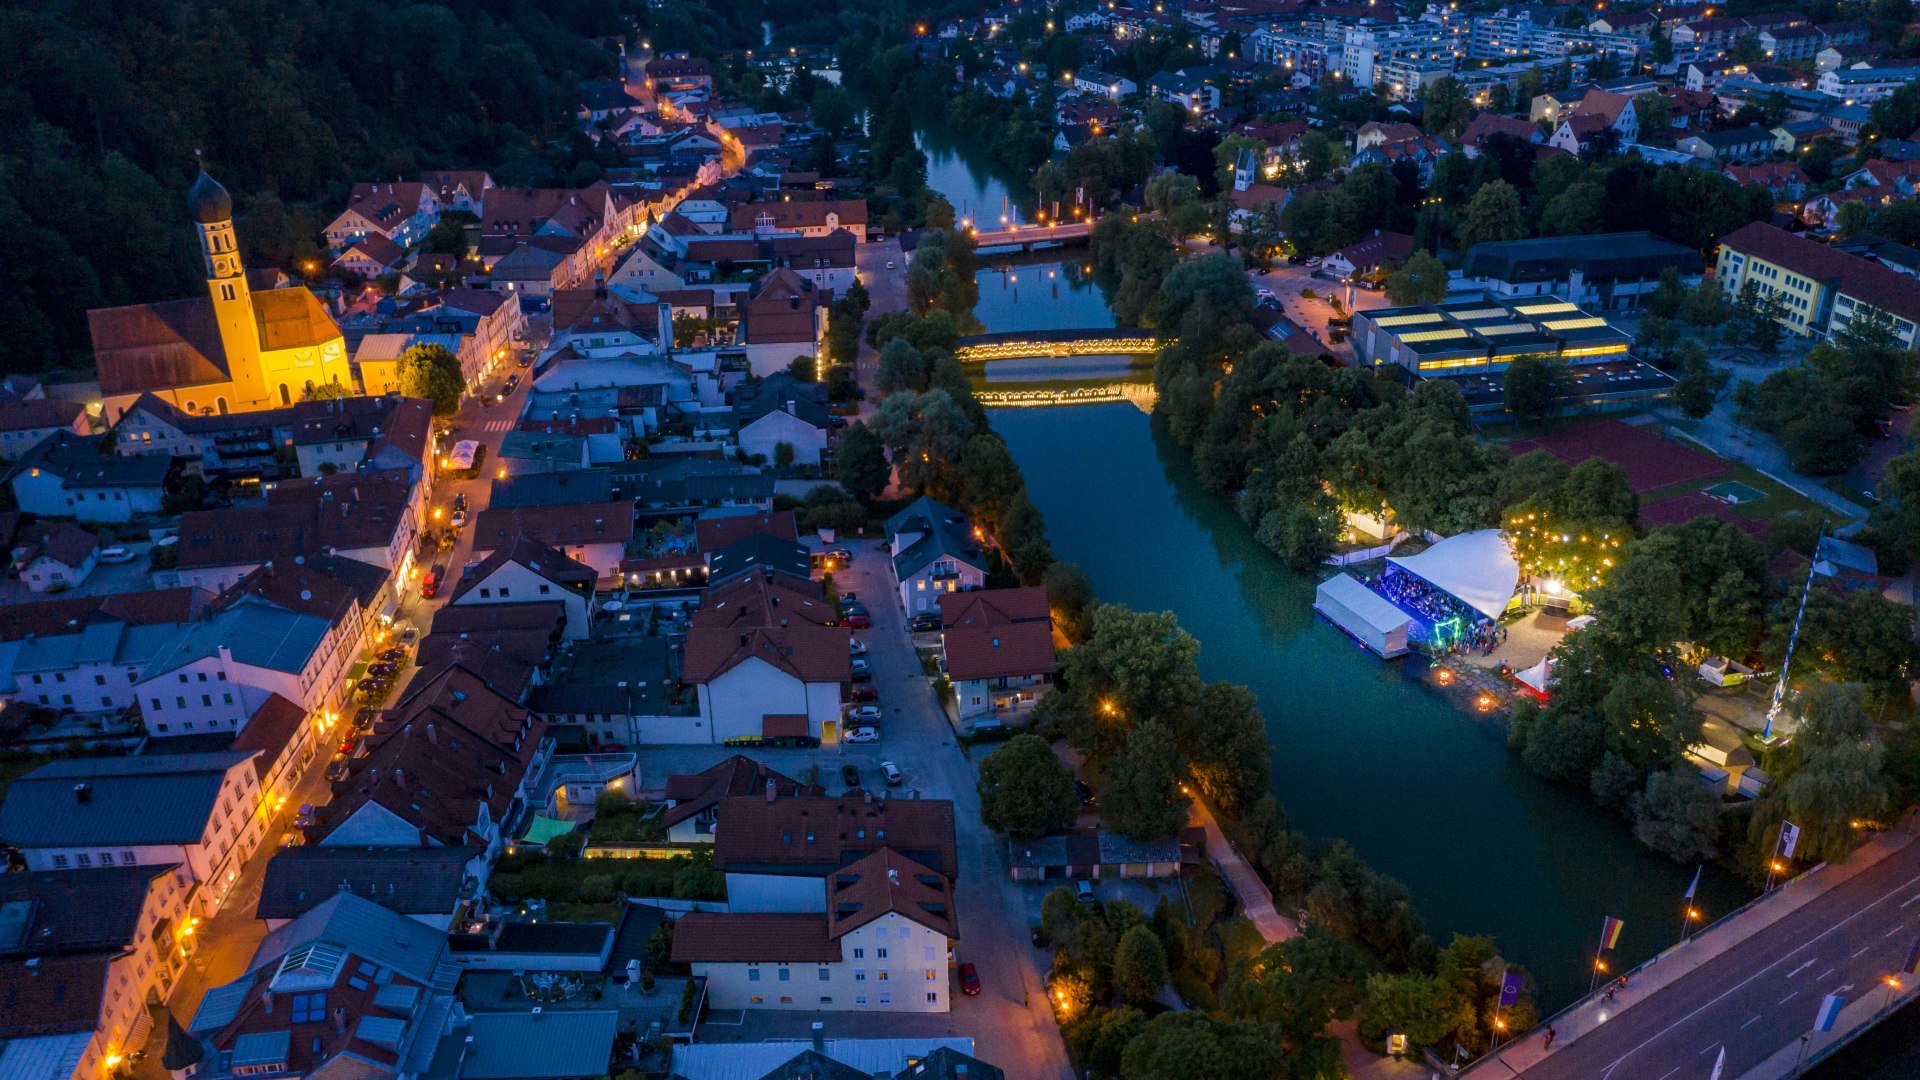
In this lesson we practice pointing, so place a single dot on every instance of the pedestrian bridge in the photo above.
(1028, 236)
(1021, 344)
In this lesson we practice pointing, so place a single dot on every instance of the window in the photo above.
(933, 996)
(882, 975)
(59, 862)
(859, 999)
(786, 999)
(886, 997)
(784, 975)
(881, 952)
(859, 975)
(753, 974)
(826, 999)
(99, 680)
(859, 954)
(826, 975)
(83, 860)
(931, 975)
(309, 1008)
(545, 589)
(126, 858)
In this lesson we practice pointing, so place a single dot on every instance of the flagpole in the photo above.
(1593, 982)
(1686, 905)
(1773, 861)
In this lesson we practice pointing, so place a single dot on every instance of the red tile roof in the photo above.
(1862, 279)
(997, 632)
(815, 654)
(738, 775)
(753, 938)
(887, 882)
(763, 598)
(714, 533)
(59, 995)
(820, 835)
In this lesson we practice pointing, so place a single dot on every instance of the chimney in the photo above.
(83, 793)
(791, 410)
(266, 1000)
(770, 790)
(433, 734)
(339, 1019)
(400, 778)
(819, 1037)
(893, 877)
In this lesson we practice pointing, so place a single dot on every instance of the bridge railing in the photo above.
(1050, 345)
(1600, 991)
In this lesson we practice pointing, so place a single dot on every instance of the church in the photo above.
(233, 350)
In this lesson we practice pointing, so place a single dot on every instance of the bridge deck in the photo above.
(1750, 985)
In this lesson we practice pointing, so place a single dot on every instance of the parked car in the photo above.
(969, 980)
(1084, 791)
(864, 692)
(840, 556)
(347, 746)
(926, 620)
(337, 769)
(116, 554)
(1083, 891)
(512, 382)
(862, 671)
(363, 719)
(459, 519)
(889, 264)
(863, 735)
(850, 774)
(431, 583)
(304, 817)
(892, 773)
(291, 838)
(858, 620)
(863, 715)
(460, 501)
(856, 646)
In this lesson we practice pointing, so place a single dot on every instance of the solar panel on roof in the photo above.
(1433, 335)
(1545, 309)
(1407, 320)
(1505, 328)
(1587, 323)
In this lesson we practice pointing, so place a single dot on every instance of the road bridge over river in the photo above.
(1030, 236)
(1750, 985)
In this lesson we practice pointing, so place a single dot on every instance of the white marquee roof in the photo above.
(1476, 568)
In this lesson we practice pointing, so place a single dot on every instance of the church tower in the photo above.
(227, 282)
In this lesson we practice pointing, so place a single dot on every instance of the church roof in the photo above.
(176, 343)
(209, 201)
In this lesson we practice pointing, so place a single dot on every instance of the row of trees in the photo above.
(1824, 410)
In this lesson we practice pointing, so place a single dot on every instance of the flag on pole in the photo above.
(1460, 1051)
(1789, 836)
(1691, 889)
(1510, 986)
(1829, 1013)
(1718, 1064)
(1912, 966)
(1610, 932)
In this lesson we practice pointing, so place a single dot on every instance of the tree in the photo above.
(1099, 1037)
(1139, 965)
(1446, 106)
(1838, 780)
(1494, 213)
(1143, 785)
(783, 455)
(1421, 280)
(902, 367)
(860, 464)
(327, 392)
(1224, 739)
(1897, 518)
(432, 372)
(1024, 790)
(1299, 986)
(1700, 384)
(989, 479)
(1677, 816)
(1418, 1006)
(1577, 211)
(1069, 595)
(1535, 386)
(1196, 1046)
(924, 435)
(1134, 666)
(699, 880)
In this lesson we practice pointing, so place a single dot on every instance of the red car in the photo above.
(859, 620)
(969, 980)
(864, 692)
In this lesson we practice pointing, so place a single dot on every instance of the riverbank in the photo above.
(1363, 751)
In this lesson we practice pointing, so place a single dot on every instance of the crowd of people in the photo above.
(1464, 628)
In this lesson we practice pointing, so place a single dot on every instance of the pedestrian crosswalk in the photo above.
(498, 425)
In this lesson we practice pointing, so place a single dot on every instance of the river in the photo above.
(1364, 751)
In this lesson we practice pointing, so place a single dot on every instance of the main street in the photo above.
(229, 937)
(1757, 994)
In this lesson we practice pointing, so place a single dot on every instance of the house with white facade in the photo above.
(692, 802)
(934, 550)
(527, 571)
(200, 812)
(66, 475)
(83, 952)
(881, 944)
(998, 645)
(221, 667)
(57, 557)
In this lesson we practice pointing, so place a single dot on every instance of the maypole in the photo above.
(1780, 687)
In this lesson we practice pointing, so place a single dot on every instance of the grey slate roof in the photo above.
(759, 550)
(362, 928)
(59, 911)
(944, 532)
(411, 881)
(130, 801)
(1605, 257)
(258, 633)
(554, 1044)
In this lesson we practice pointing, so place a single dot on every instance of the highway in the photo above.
(1755, 997)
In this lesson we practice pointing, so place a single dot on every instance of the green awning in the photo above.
(543, 829)
(356, 671)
